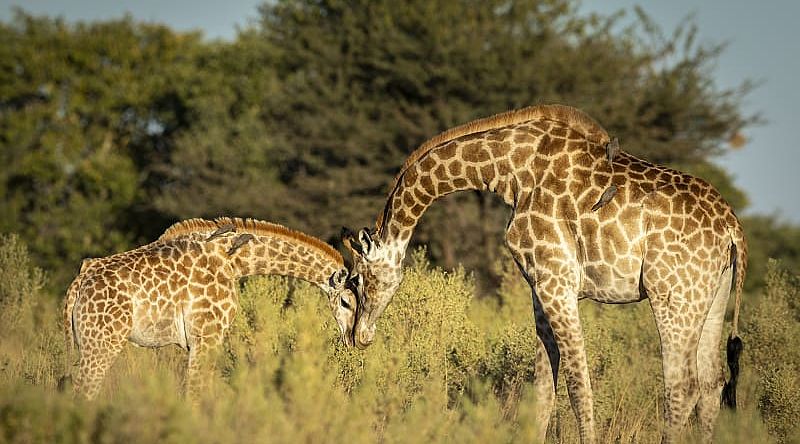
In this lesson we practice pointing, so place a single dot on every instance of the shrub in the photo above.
(20, 284)
(772, 335)
(446, 367)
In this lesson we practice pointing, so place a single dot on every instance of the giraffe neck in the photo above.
(265, 255)
(511, 161)
(247, 247)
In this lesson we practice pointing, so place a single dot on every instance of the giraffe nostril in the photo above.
(365, 337)
(362, 343)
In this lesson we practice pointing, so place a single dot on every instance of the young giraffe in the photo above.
(182, 289)
(656, 234)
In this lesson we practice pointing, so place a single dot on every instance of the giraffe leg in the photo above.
(555, 304)
(94, 365)
(207, 328)
(199, 367)
(97, 354)
(679, 342)
(195, 381)
(709, 365)
(561, 314)
(100, 340)
(546, 373)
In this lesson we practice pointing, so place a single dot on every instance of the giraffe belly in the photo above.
(156, 325)
(613, 285)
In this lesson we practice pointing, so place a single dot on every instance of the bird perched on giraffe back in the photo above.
(239, 242)
(606, 197)
(224, 229)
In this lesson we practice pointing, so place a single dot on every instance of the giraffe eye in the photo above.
(344, 303)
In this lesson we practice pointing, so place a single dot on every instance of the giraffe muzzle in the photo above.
(364, 337)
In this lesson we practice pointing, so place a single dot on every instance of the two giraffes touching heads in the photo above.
(588, 221)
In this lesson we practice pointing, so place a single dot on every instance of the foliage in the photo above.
(112, 130)
(770, 238)
(109, 131)
(435, 373)
(223, 151)
(82, 109)
(774, 350)
(364, 82)
(20, 284)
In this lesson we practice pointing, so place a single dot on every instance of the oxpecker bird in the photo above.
(606, 197)
(227, 228)
(239, 241)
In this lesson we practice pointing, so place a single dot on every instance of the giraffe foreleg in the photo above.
(553, 275)
(206, 326)
(194, 379)
(200, 366)
(559, 310)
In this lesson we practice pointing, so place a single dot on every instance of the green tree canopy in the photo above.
(83, 110)
(362, 83)
(112, 130)
(222, 160)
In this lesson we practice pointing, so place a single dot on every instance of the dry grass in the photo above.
(446, 368)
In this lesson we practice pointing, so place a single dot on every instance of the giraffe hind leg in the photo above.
(546, 373)
(100, 338)
(709, 365)
(679, 343)
(95, 361)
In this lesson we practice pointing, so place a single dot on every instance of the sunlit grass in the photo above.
(446, 367)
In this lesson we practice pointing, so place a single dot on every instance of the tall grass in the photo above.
(447, 367)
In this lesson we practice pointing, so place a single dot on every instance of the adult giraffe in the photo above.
(586, 223)
(182, 289)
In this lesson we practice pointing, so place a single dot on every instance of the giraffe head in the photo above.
(380, 264)
(341, 290)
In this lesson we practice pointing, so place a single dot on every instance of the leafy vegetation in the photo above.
(110, 131)
(447, 367)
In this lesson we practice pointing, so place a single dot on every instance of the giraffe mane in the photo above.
(572, 117)
(251, 226)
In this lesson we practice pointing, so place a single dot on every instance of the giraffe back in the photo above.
(566, 116)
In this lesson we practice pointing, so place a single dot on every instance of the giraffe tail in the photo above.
(73, 291)
(69, 306)
(735, 345)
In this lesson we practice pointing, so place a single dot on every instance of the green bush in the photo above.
(772, 347)
(446, 367)
(20, 284)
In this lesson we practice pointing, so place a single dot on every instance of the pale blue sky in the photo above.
(764, 45)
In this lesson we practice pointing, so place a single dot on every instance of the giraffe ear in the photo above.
(366, 242)
(339, 278)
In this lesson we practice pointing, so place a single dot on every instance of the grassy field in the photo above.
(447, 367)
